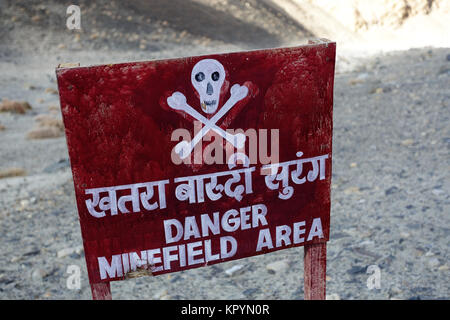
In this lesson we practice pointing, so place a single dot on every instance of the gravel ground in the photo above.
(390, 185)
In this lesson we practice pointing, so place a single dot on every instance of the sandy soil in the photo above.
(390, 191)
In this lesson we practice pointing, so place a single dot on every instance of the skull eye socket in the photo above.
(200, 76)
(215, 76)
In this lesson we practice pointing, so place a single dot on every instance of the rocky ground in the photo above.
(390, 185)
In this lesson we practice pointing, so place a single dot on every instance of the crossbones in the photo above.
(207, 77)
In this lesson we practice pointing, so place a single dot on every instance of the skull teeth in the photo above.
(207, 103)
(210, 102)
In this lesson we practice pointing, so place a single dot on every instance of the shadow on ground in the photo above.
(206, 21)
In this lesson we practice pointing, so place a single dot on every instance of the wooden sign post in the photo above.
(189, 162)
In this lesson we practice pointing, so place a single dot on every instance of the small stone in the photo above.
(79, 250)
(278, 266)
(333, 296)
(44, 133)
(434, 262)
(395, 291)
(377, 90)
(38, 274)
(46, 120)
(36, 18)
(429, 254)
(328, 278)
(53, 108)
(407, 142)
(352, 190)
(366, 243)
(438, 192)
(159, 294)
(12, 172)
(64, 252)
(418, 252)
(51, 91)
(29, 86)
(69, 251)
(443, 268)
(404, 234)
(15, 259)
(391, 190)
(355, 81)
(353, 165)
(19, 107)
(235, 270)
(24, 203)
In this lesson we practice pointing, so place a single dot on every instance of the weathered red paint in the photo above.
(101, 291)
(315, 266)
(118, 128)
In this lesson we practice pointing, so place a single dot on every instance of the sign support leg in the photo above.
(315, 267)
(101, 291)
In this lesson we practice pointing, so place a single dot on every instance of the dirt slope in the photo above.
(390, 191)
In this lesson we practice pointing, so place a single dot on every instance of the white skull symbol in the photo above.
(207, 78)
